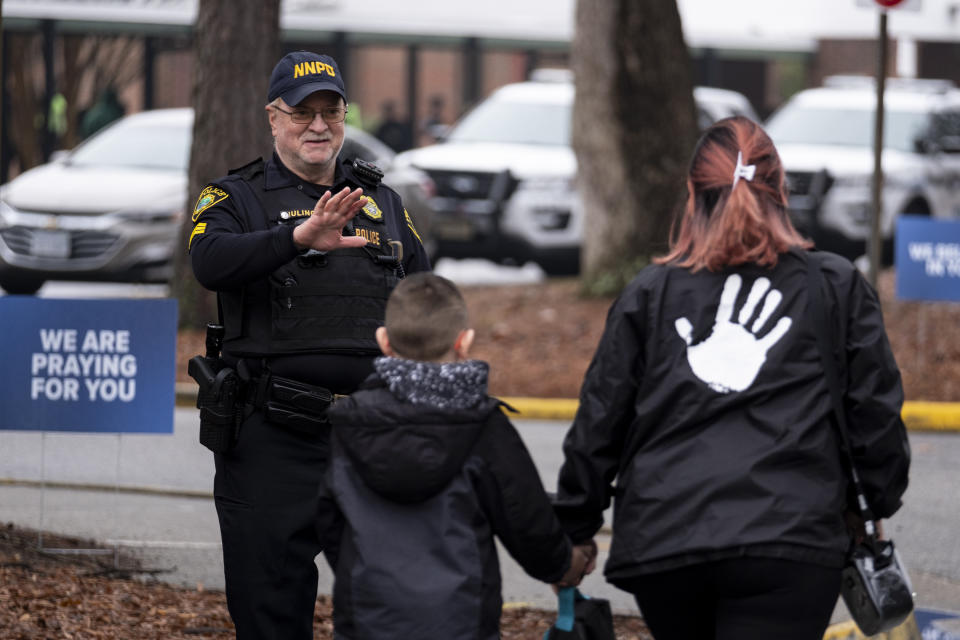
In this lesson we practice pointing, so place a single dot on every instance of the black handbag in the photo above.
(875, 586)
(581, 618)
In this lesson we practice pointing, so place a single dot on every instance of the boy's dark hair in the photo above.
(425, 314)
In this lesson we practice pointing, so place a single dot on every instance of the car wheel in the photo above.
(20, 285)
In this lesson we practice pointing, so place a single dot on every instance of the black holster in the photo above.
(218, 401)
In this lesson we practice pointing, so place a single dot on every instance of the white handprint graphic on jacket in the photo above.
(730, 358)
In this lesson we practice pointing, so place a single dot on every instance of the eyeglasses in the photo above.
(330, 115)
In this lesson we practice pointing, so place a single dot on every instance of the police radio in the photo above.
(367, 172)
(218, 396)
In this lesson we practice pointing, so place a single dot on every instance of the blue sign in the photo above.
(928, 258)
(88, 365)
(937, 625)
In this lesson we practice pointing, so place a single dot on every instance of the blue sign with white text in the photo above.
(928, 258)
(88, 365)
(937, 625)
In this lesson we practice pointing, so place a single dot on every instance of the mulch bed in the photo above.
(47, 596)
(539, 339)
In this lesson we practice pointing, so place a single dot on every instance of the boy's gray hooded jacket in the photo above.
(426, 470)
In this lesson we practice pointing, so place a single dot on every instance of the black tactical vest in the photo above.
(329, 302)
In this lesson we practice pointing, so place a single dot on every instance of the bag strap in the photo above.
(822, 321)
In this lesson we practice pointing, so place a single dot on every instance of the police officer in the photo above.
(302, 250)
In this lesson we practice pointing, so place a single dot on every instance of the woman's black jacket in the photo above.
(706, 417)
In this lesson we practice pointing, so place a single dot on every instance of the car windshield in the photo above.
(515, 122)
(150, 146)
(845, 127)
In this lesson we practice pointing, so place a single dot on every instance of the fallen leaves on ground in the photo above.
(46, 596)
(539, 339)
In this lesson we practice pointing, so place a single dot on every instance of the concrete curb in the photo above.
(108, 488)
(842, 631)
(848, 630)
(918, 415)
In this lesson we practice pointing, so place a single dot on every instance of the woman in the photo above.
(706, 402)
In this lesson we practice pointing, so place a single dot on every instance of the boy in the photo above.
(426, 469)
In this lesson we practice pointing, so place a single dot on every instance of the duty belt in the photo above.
(289, 402)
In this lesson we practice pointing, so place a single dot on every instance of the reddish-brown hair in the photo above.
(721, 225)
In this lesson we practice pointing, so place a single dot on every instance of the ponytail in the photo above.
(736, 208)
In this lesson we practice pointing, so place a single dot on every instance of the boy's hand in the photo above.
(578, 565)
(590, 549)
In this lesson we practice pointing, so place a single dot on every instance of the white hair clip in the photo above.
(742, 171)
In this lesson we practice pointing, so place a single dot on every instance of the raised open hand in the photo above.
(730, 358)
(323, 229)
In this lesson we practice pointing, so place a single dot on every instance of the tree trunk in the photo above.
(27, 119)
(634, 127)
(235, 45)
(70, 80)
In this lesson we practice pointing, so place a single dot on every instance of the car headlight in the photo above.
(859, 213)
(6, 212)
(555, 185)
(856, 181)
(149, 216)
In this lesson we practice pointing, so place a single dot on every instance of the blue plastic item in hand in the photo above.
(580, 617)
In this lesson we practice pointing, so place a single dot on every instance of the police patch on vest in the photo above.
(208, 197)
(372, 211)
(410, 224)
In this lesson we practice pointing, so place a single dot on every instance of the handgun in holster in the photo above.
(219, 395)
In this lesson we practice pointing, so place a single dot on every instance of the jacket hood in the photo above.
(411, 426)
(447, 385)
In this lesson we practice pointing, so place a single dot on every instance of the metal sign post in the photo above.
(874, 241)
(115, 552)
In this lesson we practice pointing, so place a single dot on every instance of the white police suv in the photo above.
(506, 174)
(825, 140)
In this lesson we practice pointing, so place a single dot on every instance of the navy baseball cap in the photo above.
(300, 73)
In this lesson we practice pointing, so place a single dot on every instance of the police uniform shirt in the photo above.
(235, 245)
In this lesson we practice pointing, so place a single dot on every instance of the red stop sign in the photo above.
(888, 3)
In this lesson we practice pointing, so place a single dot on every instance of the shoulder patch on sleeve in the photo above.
(410, 224)
(199, 229)
(210, 196)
